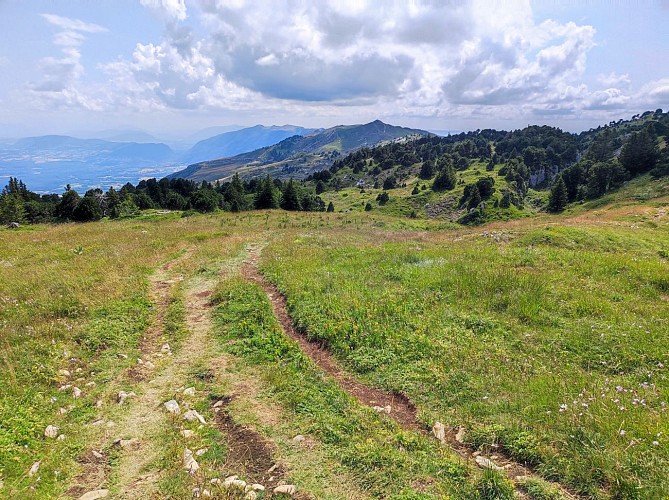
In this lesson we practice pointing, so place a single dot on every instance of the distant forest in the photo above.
(572, 167)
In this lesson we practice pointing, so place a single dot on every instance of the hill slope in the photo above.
(297, 156)
(240, 141)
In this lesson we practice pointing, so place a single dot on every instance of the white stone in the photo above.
(382, 409)
(90, 384)
(460, 436)
(62, 411)
(189, 392)
(76, 392)
(165, 348)
(191, 415)
(206, 493)
(218, 404)
(94, 495)
(237, 484)
(187, 433)
(200, 452)
(64, 387)
(97, 454)
(51, 431)
(257, 487)
(149, 365)
(172, 406)
(61, 437)
(298, 439)
(439, 431)
(486, 463)
(33, 469)
(190, 464)
(64, 373)
(287, 489)
(122, 396)
(250, 495)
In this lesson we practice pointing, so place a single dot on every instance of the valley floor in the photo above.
(336, 356)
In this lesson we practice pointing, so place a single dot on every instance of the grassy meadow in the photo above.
(546, 338)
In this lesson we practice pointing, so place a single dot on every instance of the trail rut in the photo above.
(402, 410)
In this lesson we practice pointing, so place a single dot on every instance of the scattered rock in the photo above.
(206, 493)
(218, 404)
(64, 387)
(486, 463)
(286, 489)
(127, 443)
(149, 365)
(382, 409)
(122, 356)
(200, 452)
(272, 468)
(62, 411)
(97, 454)
(191, 415)
(91, 384)
(190, 464)
(172, 406)
(298, 439)
(64, 373)
(97, 423)
(51, 431)
(34, 468)
(439, 431)
(215, 481)
(61, 437)
(250, 495)
(165, 348)
(94, 495)
(187, 433)
(236, 484)
(98, 403)
(76, 392)
(122, 396)
(257, 487)
(189, 392)
(460, 436)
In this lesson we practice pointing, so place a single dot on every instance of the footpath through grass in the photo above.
(549, 341)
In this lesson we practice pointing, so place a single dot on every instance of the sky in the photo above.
(171, 67)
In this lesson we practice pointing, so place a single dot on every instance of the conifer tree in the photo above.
(557, 200)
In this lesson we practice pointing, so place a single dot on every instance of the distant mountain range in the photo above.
(47, 163)
(298, 156)
(240, 141)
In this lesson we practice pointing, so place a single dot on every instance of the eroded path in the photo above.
(396, 406)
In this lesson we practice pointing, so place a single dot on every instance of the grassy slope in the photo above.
(494, 332)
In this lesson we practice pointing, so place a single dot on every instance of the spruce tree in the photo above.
(289, 198)
(557, 200)
(266, 197)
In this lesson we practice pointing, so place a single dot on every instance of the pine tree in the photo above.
(289, 198)
(266, 197)
(557, 200)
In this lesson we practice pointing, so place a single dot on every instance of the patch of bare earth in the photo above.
(396, 405)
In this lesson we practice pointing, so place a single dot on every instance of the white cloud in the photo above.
(423, 59)
(171, 9)
(68, 24)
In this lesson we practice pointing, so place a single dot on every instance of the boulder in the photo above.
(51, 431)
(172, 406)
(439, 431)
(190, 464)
(286, 489)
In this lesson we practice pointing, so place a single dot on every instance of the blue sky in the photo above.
(175, 66)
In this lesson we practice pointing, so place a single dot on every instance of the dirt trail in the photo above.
(400, 407)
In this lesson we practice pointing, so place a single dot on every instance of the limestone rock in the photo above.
(34, 468)
(460, 436)
(286, 489)
(51, 431)
(190, 464)
(250, 495)
(298, 439)
(233, 482)
(189, 392)
(382, 409)
(257, 487)
(165, 348)
(127, 443)
(94, 495)
(187, 433)
(122, 396)
(172, 406)
(200, 452)
(61, 437)
(439, 431)
(486, 463)
(76, 392)
(64, 373)
(191, 415)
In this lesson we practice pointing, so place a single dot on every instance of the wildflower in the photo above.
(656, 443)
(622, 432)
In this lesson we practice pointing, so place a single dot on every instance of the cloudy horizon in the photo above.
(177, 66)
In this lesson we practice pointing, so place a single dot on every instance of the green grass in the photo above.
(384, 460)
(497, 336)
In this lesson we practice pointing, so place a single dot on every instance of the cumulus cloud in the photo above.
(419, 58)
(171, 9)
